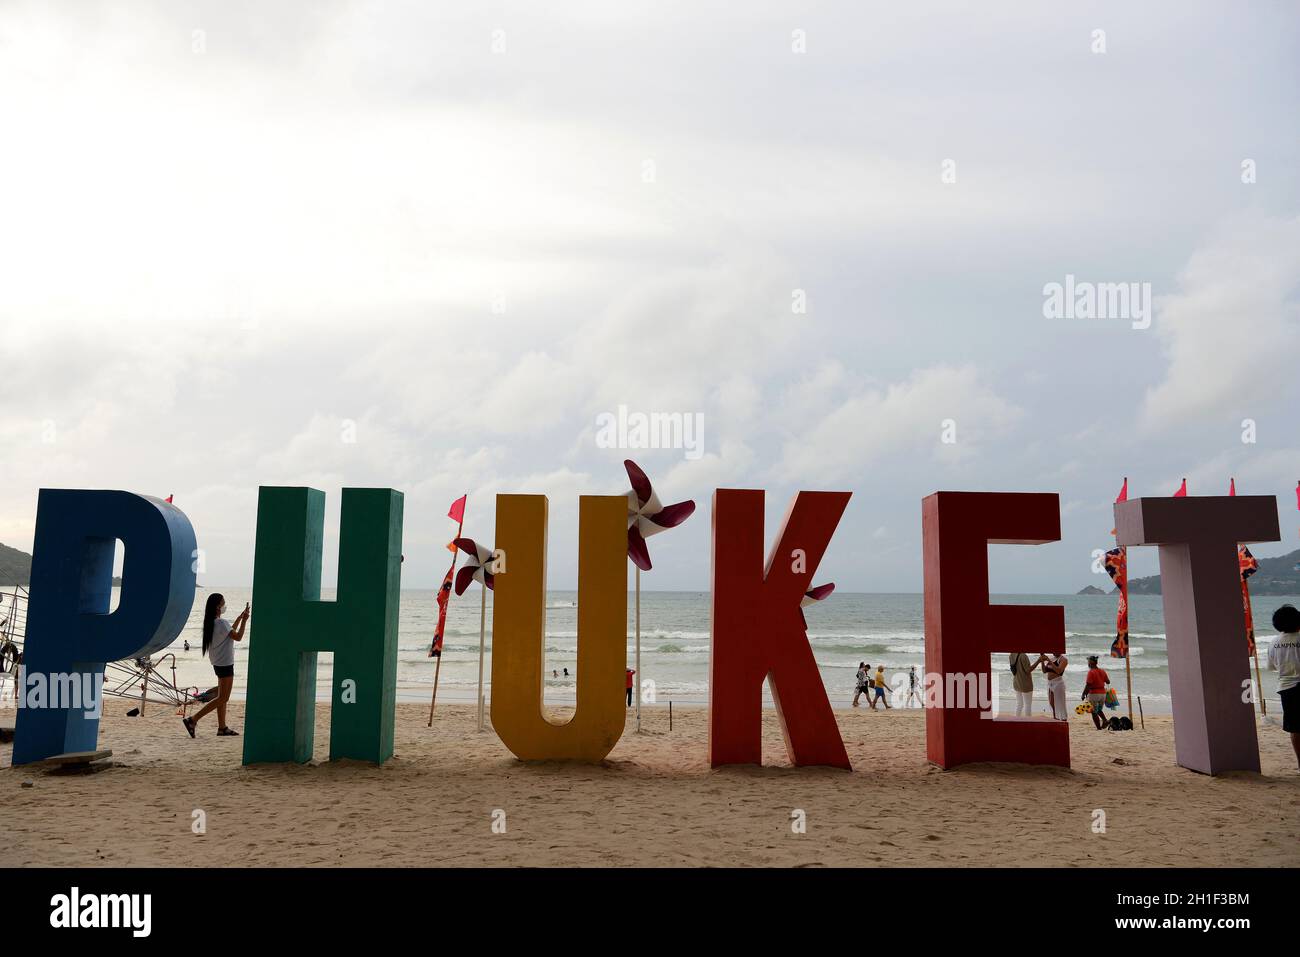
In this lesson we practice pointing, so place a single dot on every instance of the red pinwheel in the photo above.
(820, 593)
(647, 516)
(477, 567)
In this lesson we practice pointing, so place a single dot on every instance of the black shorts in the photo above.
(224, 671)
(1290, 709)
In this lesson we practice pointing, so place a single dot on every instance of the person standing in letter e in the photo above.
(1023, 682)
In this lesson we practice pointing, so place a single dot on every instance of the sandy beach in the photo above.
(654, 803)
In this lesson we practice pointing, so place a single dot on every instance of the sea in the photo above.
(843, 630)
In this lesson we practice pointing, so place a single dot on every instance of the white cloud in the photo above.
(1233, 328)
(844, 437)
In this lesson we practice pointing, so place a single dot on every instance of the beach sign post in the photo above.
(1209, 679)
(294, 625)
(519, 631)
(71, 633)
(646, 516)
(480, 566)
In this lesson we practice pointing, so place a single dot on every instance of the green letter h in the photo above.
(293, 625)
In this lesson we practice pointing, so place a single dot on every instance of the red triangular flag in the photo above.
(457, 511)
(1182, 490)
(1122, 496)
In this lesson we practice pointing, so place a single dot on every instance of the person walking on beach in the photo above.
(219, 637)
(1054, 667)
(630, 673)
(913, 691)
(1284, 658)
(1094, 692)
(1022, 682)
(869, 689)
(881, 688)
(861, 685)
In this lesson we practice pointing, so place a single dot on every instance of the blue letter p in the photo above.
(70, 633)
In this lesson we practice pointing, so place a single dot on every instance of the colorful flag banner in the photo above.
(444, 596)
(1249, 564)
(1117, 568)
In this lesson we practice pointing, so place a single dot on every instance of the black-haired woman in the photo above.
(219, 637)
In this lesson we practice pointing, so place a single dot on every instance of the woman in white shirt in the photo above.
(219, 637)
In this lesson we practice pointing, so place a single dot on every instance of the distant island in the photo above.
(1276, 576)
(1090, 590)
(16, 567)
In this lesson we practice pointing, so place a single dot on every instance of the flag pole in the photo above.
(437, 667)
(1128, 677)
(1250, 615)
(638, 649)
(482, 633)
(1128, 648)
(1259, 685)
(437, 670)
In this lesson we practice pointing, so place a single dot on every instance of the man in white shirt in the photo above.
(1284, 658)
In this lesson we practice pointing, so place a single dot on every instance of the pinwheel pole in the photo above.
(646, 516)
(638, 650)
(477, 568)
(482, 635)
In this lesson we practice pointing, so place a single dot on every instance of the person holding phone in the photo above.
(219, 637)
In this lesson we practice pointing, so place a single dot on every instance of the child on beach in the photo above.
(1284, 658)
(219, 637)
(630, 673)
(1094, 692)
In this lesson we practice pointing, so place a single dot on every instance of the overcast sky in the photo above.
(234, 236)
